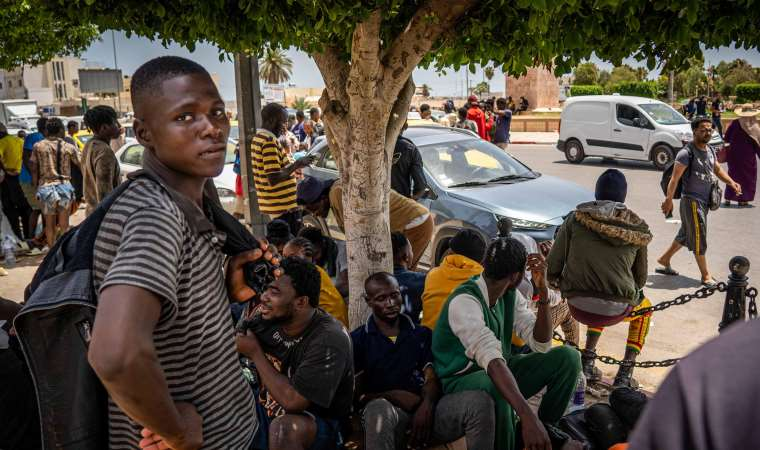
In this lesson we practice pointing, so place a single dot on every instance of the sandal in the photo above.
(711, 283)
(666, 270)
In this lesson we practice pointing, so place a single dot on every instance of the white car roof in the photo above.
(629, 99)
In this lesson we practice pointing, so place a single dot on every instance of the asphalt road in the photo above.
(680, 329)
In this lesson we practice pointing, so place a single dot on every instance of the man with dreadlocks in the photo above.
(472, 351)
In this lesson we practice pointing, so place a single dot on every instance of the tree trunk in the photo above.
(365, 104)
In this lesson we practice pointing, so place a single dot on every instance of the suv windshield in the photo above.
(663, 114)
(471, 162)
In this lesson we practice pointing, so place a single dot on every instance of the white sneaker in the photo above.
(3, 272)
(36, 251)
(23, 246)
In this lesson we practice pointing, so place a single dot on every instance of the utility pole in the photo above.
(248, 93)
(671, 80)
(116, 67)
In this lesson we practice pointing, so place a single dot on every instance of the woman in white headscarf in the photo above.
(743, 135)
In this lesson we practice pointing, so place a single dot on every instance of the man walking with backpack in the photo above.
(697, 165)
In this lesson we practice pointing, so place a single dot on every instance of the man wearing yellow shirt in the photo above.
(462, 263)
(273, 172)
(15, 206)
(330, 299)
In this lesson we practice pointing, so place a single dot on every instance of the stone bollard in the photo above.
(734, 308)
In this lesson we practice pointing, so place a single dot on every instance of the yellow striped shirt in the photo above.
(268, 156)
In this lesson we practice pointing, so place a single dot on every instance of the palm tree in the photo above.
(482, 88)
(488, 72)
(426, 90)
(275, 67)
(300, 104)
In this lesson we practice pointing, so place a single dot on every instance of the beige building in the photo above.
(51, 83)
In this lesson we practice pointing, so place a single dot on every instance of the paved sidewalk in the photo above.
(520, 137)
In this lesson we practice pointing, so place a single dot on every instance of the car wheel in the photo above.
(574, 152)
(662, 155)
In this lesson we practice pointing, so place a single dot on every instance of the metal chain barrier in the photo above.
(702, 293)
(681, 300)
(752, 308)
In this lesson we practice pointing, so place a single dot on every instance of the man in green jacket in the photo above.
(599, 263)
(472, 351)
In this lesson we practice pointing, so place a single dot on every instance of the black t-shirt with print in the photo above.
(318, 363)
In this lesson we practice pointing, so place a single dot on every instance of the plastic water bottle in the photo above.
(578, 401)
(9, 252)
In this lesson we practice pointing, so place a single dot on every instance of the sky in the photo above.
(132, 52)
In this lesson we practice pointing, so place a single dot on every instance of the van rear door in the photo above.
(589, 122)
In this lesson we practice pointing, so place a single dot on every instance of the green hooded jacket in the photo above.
(600, 251)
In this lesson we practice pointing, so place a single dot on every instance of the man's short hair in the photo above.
(314, 235)
(315, 110)
(504, 257)
(424, 107)
(399, 242)
(72, 123)
(378, 277)
(696, 122)
(462, 112)
(468, 243)
(98, 116)
(42, 124)
(305, 278)
(54, 126)
(147, 79)
(300, 114)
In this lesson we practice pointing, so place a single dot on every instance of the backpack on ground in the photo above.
(54, 329)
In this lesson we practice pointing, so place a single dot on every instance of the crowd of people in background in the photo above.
(452, 353)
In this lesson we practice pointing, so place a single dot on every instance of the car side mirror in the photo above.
(638, 122)
(429, 194)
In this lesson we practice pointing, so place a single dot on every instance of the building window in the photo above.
(75, 82)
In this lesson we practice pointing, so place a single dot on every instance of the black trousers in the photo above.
(15, 206)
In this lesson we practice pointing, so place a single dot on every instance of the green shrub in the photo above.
(585, 89)
(748, 91)
(649, 89)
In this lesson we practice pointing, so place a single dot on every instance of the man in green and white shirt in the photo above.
(471, 345)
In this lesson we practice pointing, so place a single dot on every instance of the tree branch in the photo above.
(429, 22)
(398, 115)
(365, 48)
(334, 72)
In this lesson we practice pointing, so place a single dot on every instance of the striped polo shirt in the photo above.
(268, 156)
(157, 239)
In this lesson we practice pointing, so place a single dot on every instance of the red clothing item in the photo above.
(489, 127)
(478, 116)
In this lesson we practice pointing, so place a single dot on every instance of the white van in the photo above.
(621, 127)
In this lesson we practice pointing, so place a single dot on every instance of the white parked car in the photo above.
(130, 160)
(623, 127)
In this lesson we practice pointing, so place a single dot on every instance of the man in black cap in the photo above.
(406, 215)
(599, 263)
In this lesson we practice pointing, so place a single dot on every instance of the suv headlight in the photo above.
(524, 224)
(684, 136)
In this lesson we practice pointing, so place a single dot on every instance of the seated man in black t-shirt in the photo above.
(304, 362)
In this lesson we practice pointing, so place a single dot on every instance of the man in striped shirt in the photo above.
(163, 342)
(273, 172)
